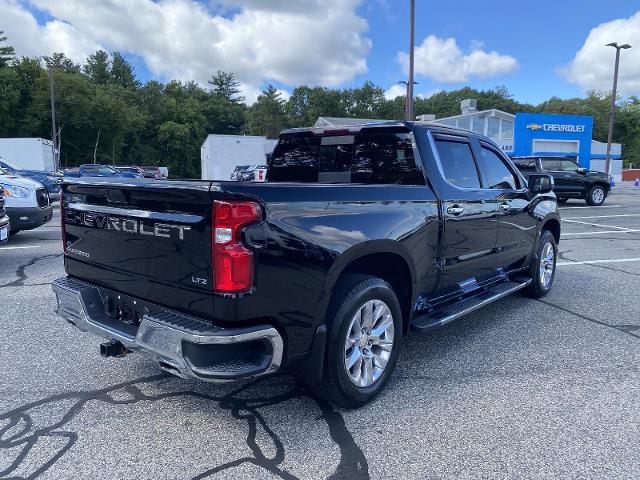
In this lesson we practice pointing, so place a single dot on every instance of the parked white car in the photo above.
(26, 202)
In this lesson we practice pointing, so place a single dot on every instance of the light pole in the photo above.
(54, 137)
(613, 101)
(408, 108)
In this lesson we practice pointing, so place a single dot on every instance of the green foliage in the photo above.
(102, 106)
(6, 51)
(59, 61)
(98, 68)
(226, 87)
(266, 117)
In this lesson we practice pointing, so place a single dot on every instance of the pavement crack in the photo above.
(19, 432)
(621, 328)
(20, 272)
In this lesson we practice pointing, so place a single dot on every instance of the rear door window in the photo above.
(457, 163)
(550, 164)
(568, 166)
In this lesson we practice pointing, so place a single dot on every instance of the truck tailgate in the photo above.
(150, 239)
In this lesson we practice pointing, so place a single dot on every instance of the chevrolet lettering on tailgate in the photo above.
(128, 225)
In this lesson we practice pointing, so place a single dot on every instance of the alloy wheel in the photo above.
(547, 264)
(597, 195)
(368, 343)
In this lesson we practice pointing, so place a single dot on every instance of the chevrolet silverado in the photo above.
(359, 236)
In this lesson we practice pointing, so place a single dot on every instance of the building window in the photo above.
(494, 128)
(507, 130)
(478, 124)
(464, 122)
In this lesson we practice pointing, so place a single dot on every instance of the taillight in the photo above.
(62, 227)
(232, 261)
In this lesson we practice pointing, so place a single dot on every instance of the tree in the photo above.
(98, 68)
(366, 101)
(6, 52)
(59, 61)
(306, 104)
(9, 101)
(226, 87)
(122, 72)
(266, 116)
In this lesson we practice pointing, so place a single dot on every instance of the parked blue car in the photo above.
(50, 180)
(91, 170)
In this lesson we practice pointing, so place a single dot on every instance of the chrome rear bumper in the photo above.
(183, 345)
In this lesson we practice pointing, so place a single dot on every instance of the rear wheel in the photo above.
(596, 196)
(543, 267)
(364, 336)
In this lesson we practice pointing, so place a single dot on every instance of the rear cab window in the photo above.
(372, 156)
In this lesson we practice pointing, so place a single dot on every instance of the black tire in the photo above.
(539, 288)
(562, 200)
(596, 196)
(352, 294)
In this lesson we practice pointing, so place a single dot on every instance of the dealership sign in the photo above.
(556, 127)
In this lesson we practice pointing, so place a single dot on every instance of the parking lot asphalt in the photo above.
(520, 389)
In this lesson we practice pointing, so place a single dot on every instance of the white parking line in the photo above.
(19, 248)
(601, 225)
(600, 232)
(587, 207)
(587, 262)
(607, 216)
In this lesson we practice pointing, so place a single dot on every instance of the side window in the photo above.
(568, 166)
(458, 165)
(295, 159)
(499, 176)
(550, 164)
(385, 158)
(106, 171)
(525, 165)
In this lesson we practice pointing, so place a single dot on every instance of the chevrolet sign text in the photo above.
(128, 225)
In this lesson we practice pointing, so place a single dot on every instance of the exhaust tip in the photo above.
(113, 348)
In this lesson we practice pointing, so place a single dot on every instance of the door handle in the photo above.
(504, 207)
(455, 210)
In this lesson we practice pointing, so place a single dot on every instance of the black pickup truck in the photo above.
(570, 179)
(359, 235)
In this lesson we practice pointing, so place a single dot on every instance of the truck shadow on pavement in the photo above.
(20, 432)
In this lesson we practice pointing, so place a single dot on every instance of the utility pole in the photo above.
(408, 110)
(612, 113)
(54, 135)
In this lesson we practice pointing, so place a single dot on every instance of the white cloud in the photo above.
(429, 93)
(592, 67)
(30, 39)
(443, 61)
(319, 42)
(395, 91)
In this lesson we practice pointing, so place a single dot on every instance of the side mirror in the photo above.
(581, 171)
(540, 183)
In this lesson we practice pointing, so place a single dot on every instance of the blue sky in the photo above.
(536, 49)
(543, 36)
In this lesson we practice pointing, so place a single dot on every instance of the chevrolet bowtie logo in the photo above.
(534, 126)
